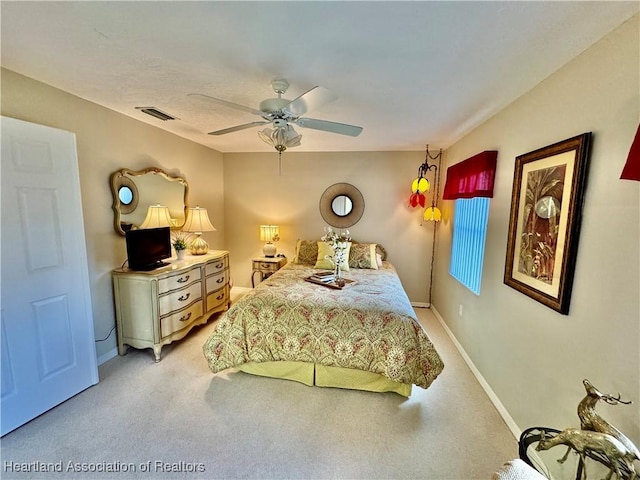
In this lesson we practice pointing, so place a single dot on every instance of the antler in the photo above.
(611, 400)
(595, 393)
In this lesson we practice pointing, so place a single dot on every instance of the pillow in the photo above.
(325, 251)
(363, 255)
(379, 260)
(306, 252)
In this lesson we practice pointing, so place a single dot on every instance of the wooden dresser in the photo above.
(155, 308)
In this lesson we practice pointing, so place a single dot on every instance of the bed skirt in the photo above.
(322, 376)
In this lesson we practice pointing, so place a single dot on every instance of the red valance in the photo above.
(472, 177)
(631, 169)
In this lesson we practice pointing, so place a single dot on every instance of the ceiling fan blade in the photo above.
(312, 99)
(334, 127)
(225, 103)
(237, 128)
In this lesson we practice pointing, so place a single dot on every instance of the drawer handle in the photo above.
(184, 298)
(184, 279)
(220, 297)
(266, 265)
(185, 317)
(220, 280)
(220, 265)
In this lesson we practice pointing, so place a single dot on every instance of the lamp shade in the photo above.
(157, 216)
(280, 138)
(432, 214)
(420, 185)
(198, 221)
(269, 233)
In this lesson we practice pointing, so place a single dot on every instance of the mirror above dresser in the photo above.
(135, 191)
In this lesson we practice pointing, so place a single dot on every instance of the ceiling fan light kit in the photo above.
(283, 114)
(281, 137)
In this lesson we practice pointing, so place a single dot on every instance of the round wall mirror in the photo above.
(341, 205)
(126, 195)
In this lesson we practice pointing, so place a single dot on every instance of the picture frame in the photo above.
(544, 224)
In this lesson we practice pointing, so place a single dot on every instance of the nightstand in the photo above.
(266, 266)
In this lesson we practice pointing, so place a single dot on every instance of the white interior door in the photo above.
(47, 340)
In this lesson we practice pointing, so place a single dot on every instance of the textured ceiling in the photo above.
(409, 73)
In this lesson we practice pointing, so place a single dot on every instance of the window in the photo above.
(469, 234)
(470, 184)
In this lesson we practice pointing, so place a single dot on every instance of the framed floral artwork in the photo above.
(544, 225)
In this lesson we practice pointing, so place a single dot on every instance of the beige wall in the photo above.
(255, 194)
(108, 141)
(532, 357)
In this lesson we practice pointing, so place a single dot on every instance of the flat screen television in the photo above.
(146, 248)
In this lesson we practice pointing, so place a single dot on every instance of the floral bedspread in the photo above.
(367, 326)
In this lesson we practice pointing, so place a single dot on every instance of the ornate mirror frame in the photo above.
(151, 186)
(337, 219)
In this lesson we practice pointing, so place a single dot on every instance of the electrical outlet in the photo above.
(460, 310)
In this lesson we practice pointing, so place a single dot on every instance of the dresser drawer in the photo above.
(218, 298)
(217, 281)
(265, 267)
(217, 266)
(180, 298)
(179, 280)
(179, 320)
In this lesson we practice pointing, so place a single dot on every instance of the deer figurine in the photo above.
(583, 441)
(590, 420)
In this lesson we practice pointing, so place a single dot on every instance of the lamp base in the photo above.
(198, 246)
(269, 250)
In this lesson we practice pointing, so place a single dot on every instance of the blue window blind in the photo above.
(469, 234)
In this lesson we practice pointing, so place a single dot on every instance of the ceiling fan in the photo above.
(282, 114)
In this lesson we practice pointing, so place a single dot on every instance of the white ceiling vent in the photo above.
(154, 112)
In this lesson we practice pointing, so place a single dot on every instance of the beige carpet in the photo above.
(175, 419)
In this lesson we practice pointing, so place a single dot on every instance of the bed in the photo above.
(365, 336)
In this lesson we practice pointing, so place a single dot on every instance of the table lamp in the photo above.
(197, 222)
(269, 234)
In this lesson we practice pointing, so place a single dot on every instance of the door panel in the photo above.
(38, 211)
(8, 387)
(48, 344)
(53, 332)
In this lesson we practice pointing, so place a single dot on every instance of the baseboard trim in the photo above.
(107, 356)
(515, 430)
(241, 290)
(420, 304)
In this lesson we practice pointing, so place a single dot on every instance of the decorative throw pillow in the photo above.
(306, 252)
(363, 255)
(325, 251)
